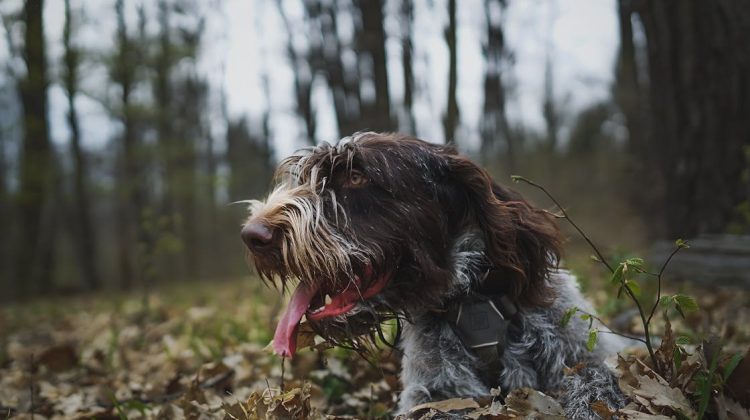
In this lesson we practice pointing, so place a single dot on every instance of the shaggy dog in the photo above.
(386, 226)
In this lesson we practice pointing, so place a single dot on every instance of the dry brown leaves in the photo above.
(520, 403)
(204, 359)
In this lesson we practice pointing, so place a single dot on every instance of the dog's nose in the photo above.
(258, 236)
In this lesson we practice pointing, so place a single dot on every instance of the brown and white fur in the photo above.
(384, 226)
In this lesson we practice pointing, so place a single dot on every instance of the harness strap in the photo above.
(481, 322)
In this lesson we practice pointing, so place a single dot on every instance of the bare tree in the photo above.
(131, 193)
(494, 123)
(304, 66)
(550, 110)
(407, 22)
(451, 117)
(696, 129)
(83, 226)
(37, 237)
(371, 38)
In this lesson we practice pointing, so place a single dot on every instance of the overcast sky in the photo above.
(580, 35)
(245, 41)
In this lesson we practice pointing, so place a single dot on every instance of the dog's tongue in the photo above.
(285, 337)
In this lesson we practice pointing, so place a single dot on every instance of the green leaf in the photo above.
(677, 357)
(679, 309)
(568, 315)
(634, 287)
(636, 263)
(733, 362)
(683, 339)
(619, 292)
(618, 276)
(703, 390)
(682, 244)
(687, 303)
(585, 317)
(593, 338)
(120, 412)
(665, 301)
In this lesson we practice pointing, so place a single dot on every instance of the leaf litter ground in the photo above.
(197, 351)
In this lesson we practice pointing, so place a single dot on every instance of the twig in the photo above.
(12, 47)
(645, 322)
(611, 331)
(647, 341)
(658, 281)
(565, 216)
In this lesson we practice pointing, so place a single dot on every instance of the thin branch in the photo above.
(645, 322)
(610, 330)
(641, 312)
(13, 49)
(658, 281)
(565, 216)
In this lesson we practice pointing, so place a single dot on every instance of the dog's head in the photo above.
(382, 225)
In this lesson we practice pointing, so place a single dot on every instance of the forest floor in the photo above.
(197, 351)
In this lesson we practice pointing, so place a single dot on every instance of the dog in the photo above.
(384, 226)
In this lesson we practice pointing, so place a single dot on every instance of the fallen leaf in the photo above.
(58, 358)
(446, 406)
(637, 415)
(662, 395)
(738, 383)
(527, 401)
(730, 409)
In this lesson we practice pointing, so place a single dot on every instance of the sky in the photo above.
(245, 42)
(580, 36)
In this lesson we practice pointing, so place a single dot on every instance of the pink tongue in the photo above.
(285, 338)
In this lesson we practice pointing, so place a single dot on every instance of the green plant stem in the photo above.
(603, 260)
(611, 331)
(566, 217)
(658, 282)
(645, 322)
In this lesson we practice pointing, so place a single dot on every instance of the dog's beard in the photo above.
(368, 325)
(335, 273)
(321, 304)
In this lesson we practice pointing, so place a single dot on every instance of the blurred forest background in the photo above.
(664, 154)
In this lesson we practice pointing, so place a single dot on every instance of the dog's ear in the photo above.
(522, 242)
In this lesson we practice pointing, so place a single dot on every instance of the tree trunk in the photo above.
(407, 21)
(6, 230)
(130, 190)
(550, 110)
(84, 229)
(494, 122)
(36, 175)
(304, 75)
(343, 81)
(450, 118)
(168, 147)
(698, 128)
(376, 114)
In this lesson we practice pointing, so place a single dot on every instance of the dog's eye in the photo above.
(356, 179)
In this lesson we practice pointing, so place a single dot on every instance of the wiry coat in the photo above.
(436, 365)
(412, 227)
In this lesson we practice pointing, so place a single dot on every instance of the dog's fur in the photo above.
(431, 222)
